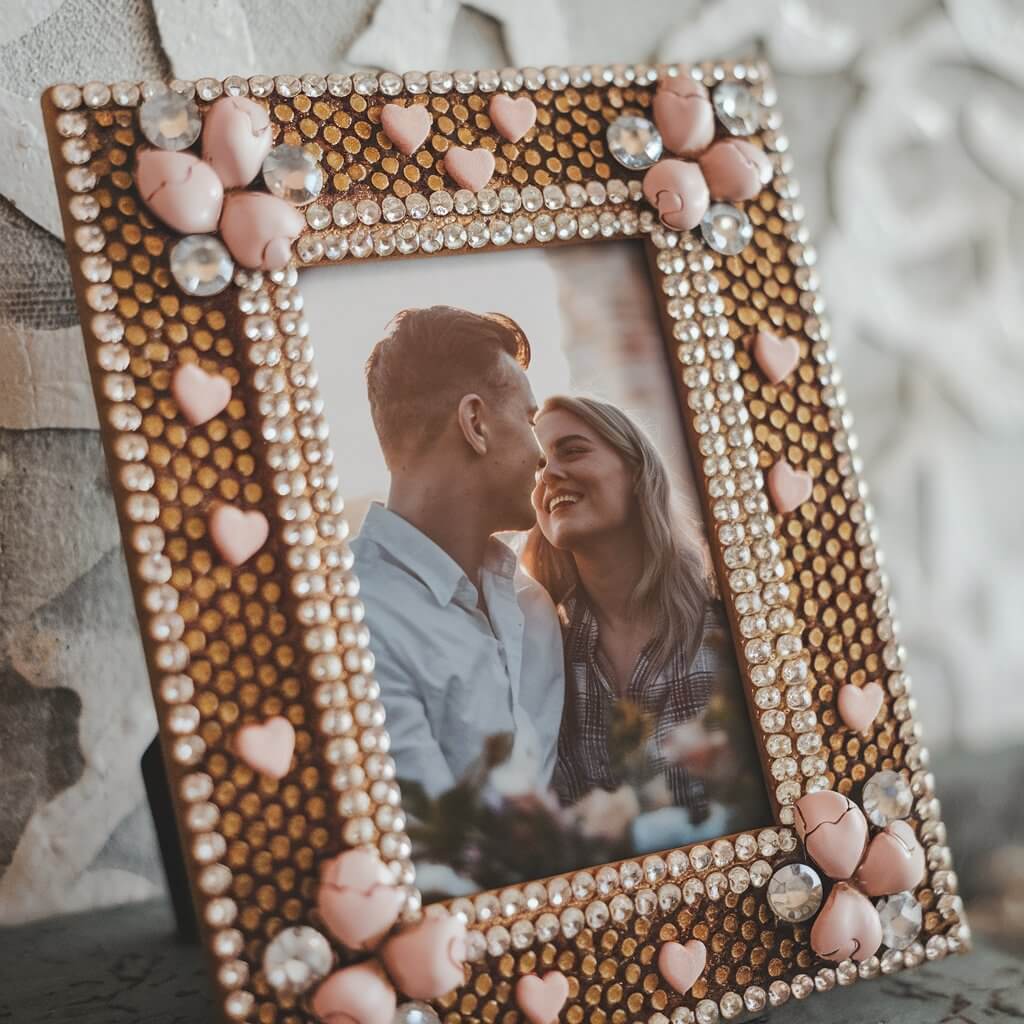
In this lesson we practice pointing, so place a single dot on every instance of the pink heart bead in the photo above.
(512, 118)
(834, 832)
(267, 747)
(237, 535)
(358, 899)
(470, 168)
(180, 189)
(542, 999)
(735, 170)
(259, 229)
(684, 116)
(237, 136)
(426, 959)
(407, 127)
(356, 995)
(681, 965)
(894, 861)
(859, 706)
(199, 395)
(777, 357)
(677, 189)
(789, 488)
(847, 926)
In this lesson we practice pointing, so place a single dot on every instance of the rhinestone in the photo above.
(700, 858)
(339, 85)
(415, 1013)
(292, 173)
(678, 863)
(794, 892)
(736, 107)
(170, 120)
(201, 265)
(901, 917)
(707, 1012)
(634, 142)
(886, 798)
(296, 958)
(726, 229)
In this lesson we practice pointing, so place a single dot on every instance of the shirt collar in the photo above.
(415, 552)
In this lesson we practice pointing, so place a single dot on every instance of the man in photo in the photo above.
(467, 646)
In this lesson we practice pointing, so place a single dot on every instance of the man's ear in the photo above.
(471, 422)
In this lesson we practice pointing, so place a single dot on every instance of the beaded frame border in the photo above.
(807, 596)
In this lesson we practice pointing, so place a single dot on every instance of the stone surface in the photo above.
(122, 966)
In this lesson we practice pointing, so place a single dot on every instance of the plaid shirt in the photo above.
(674, 694)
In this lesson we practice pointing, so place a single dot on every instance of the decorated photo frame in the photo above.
(189, 209)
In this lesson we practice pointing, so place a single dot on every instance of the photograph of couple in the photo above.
(554, 659)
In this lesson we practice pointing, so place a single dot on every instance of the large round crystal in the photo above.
(901, 918)
(634, 142)
(291, 173)
(170, 120)
(794, 892)
(886, 798)
(201, 265)
(737, 108)
(726, 229)
(416, 1013)
(296, 959)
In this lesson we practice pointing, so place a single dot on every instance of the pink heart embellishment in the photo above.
(407, 127)
(237, 535)
(358, 899)
(356, 995)
(834, 831)
(894, 861)
(684, 116)
(267, 747)
(847, 927)
(777, 357)
(425, 960)
(512, 118)
(237, 136)
(180, 189)
(682, 965)
(542, 999)
(677, 189)
(200, 395)
(470, 168)
(789, 488)
(735, 170)
(859, 705)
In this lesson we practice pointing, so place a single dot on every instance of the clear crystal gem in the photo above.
(170, 120)
(296, 959)
(886, 798)
(634, 142)
(901, 918)
(726, 229)
(415, 1013)
(737, 108)
(291, 173)
(794, 892)
(201, 265)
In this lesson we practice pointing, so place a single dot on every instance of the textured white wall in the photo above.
(907, 124)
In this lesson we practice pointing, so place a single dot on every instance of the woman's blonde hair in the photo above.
(676, 583)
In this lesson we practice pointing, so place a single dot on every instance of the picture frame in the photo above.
(235, 535)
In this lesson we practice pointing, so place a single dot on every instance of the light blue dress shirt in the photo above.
(452, 672)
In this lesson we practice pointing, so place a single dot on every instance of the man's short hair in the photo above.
(428, 360)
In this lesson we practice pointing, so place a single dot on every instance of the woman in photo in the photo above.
(652, 686)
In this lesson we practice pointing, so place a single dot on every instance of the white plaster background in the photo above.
(906, 121)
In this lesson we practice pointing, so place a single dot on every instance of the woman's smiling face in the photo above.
(584, 487)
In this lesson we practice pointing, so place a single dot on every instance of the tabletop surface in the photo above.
(123, 966)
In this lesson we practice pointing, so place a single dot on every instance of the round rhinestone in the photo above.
(291, 173)
(736, 107)
(634, 142)
(887, 797)
(794, 892)
(415, 1013)
(901, 917)
(296, 958)
(170, 120)
(201, 265)
(726, 229)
